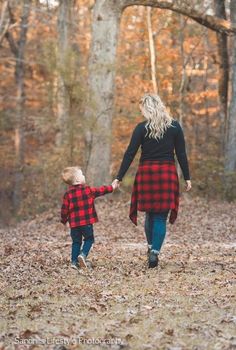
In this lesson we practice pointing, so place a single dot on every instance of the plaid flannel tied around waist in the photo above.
(155, 189)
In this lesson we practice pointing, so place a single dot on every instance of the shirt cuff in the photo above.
(110, 188)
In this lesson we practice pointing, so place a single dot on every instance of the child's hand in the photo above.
(115, 184)
(65, 226)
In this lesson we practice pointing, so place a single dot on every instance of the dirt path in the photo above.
(188, 303)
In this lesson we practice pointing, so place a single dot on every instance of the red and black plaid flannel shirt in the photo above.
(78, 204)
(156, 189)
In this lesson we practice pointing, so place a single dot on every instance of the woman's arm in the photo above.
(65, 209)
(135, 142)
(181, 155)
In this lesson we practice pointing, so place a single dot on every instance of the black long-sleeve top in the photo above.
(152, 149)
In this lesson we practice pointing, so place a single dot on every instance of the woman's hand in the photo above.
(188, 185)
(115, 184)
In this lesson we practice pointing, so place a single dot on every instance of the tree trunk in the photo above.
(152, 50)
(99, 110)
(230, 161)
(205, 87)
(20, 102)
(223, 70)
(4, 21)
(182, 87)
(64, 30)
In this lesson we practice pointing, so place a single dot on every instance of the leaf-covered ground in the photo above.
(188, 302)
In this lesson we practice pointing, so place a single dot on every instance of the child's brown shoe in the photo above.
(82, 262)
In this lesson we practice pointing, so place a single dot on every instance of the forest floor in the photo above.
(187, 303)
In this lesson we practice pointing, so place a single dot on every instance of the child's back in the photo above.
(79, 210)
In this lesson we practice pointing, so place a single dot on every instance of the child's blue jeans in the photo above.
(155, 229)
(77, 233)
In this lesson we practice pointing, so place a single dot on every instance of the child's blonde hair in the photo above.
(71, 175)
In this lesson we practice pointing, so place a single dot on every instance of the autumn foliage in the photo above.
(187, 78)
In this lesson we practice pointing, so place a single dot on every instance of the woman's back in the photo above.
(153, 149)
(162, 148)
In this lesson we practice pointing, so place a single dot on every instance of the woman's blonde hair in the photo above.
(158, 119)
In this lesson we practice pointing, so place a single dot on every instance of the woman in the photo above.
(156, 185)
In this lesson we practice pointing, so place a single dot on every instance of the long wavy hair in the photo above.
(158, 119)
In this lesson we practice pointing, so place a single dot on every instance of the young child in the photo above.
(78, 209)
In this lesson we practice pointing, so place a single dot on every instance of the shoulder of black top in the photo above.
(175, 123)
(142, 123)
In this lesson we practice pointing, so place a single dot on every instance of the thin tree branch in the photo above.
(4, 31)
(4, 21)
(12, 43)
(152, 50)
(209, 21)
(3, 13)
(8, 18)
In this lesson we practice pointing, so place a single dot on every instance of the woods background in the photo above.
(69, 95)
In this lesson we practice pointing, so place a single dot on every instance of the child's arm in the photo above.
(101, 191)
(65, 209)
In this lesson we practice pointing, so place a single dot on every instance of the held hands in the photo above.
(65, 226)
(188, 185)
(115, 184)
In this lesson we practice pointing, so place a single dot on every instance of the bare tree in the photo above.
(98, 114)
(4, 20)
(152, 49)
(230, 159)
(64, 32)
(18, 50)
(99, 111)
(222, 43)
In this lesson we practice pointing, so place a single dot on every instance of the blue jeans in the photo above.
(155, 229)
(77, 233)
